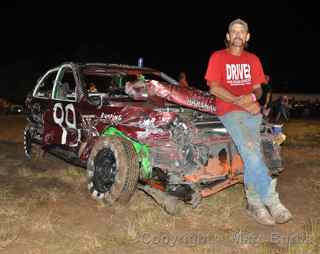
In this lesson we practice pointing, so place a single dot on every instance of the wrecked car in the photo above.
(136, 129)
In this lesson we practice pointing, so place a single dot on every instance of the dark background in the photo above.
(171, 36)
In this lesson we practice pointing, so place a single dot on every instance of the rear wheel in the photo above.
(32, 150)
(113, 170)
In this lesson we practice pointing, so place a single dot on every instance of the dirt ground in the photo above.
(45, 208)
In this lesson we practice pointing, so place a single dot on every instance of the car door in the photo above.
(39, 101)
(61, 118)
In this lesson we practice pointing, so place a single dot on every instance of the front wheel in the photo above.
(113, 170)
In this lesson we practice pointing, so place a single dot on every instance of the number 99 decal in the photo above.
(63, 118)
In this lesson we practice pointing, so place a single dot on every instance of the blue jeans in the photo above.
(244, 128)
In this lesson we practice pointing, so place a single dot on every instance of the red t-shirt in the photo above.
(237, 74)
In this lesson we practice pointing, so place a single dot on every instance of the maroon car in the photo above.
(136, 127)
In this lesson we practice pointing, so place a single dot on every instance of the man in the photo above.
(265, 100)
(92, 88)
(282, 106)
(183, 79)
(234, 76)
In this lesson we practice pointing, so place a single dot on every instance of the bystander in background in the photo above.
(183, 79)
(266, 98)
(92, 88)
(282, 109)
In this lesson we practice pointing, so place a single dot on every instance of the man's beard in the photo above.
(237, 44)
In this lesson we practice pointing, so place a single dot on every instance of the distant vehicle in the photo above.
(136, 128)
(16, 109)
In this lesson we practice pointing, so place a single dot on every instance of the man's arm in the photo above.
(257, 90)
(247, 102)
(250, 98)
(267, 100)
(221, 92)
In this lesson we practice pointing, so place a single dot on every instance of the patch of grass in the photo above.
(8, 211)
(6, 193)
(9, 233)
(71, 176)
(141, 202)
(306, 163)
(310, 241)
(13, 217)
(25, 172)
(74, 176)
(204, 249)
(42, 174)
(73, 173)
(12, 128)
(52, 194)
(88, 242)
(306, 241)
(311, 184)
(35, 251)
(302, 133)
(16, 211)
(147, 221)
(219, 208)
(43, 223)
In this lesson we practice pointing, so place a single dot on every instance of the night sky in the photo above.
(37, 37)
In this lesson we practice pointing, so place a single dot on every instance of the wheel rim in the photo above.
(27, 144)
(104, 171)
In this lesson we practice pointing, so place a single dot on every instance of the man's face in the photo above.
(237, 36)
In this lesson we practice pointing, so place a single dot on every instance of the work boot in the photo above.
(278, 211)
(257, 210)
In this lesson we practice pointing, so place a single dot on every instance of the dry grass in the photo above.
(6, 193)
(35, 251)
(219, 209)
(9, 233)
(13, 216)
(81, 242)
(25, 171)
(12, 128)
(312, 185)
(308, 241)
(43, 223)
(146, 222)
(47, 213)
(74, 176)
(302, 133)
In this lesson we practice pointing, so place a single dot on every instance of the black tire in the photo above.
(32, 150)
(113, 170)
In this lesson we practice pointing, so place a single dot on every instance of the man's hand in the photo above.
(247, 102)
(244, 100)
(253, 108)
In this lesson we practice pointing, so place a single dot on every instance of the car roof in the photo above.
(113, 66)
(120, 66)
